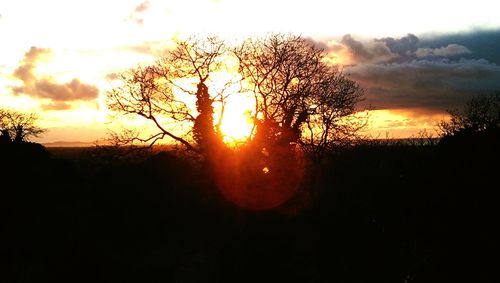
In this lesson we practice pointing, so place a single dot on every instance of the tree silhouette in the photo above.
(481, 113)
(17, 127)
(299, 97)
(154, 93)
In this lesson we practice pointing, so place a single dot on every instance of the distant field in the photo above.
(68, 152)
(74, 150)
(69, 144)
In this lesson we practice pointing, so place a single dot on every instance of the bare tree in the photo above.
(299, 97)
(18, 127)
(155, 93)
(480, 113)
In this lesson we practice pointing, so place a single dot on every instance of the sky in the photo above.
(415, 59)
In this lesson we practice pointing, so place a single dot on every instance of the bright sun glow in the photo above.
(236, 125)
(239, 107)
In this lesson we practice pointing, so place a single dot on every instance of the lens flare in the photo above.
(244, 177)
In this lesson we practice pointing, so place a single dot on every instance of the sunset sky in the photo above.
(414, 58)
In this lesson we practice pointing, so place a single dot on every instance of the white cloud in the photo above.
(446, 51)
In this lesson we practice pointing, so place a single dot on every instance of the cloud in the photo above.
(370, 52)
(381, 50)
(25, 71)
(389, 49)
(429, 75)
(56, 106)
(112, 76)
(46, 86)
(447, 51)
(404, 47)
(142, 7)
(137, 15)
(435, 85)
(483, 43)
(317, 43)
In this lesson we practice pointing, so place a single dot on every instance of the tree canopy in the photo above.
(299, 98)
(161, 93)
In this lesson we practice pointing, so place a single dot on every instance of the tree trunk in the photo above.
(19, 135)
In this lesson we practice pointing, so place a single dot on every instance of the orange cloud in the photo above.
(56, 106)
(46, 86)
(136, 15)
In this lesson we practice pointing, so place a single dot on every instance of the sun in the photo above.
(237, 123)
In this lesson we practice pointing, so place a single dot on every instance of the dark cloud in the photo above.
(432, 75)
(361, 52)
(435, 85)
(482, 43)
(357, 48)
(45, 86)
(404, 47)
(389, 49)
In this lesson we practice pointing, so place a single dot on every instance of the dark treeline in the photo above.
(371, 213)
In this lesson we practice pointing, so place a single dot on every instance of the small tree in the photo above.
(481, 113)
(17, 127)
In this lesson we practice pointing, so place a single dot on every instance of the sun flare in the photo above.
(236, 125)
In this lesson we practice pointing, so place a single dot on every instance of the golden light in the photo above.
(237, 124)
(401, 123)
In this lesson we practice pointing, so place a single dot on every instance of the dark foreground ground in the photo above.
(374, 213)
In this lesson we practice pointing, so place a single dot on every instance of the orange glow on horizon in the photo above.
(236, 125)
(399, 123)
